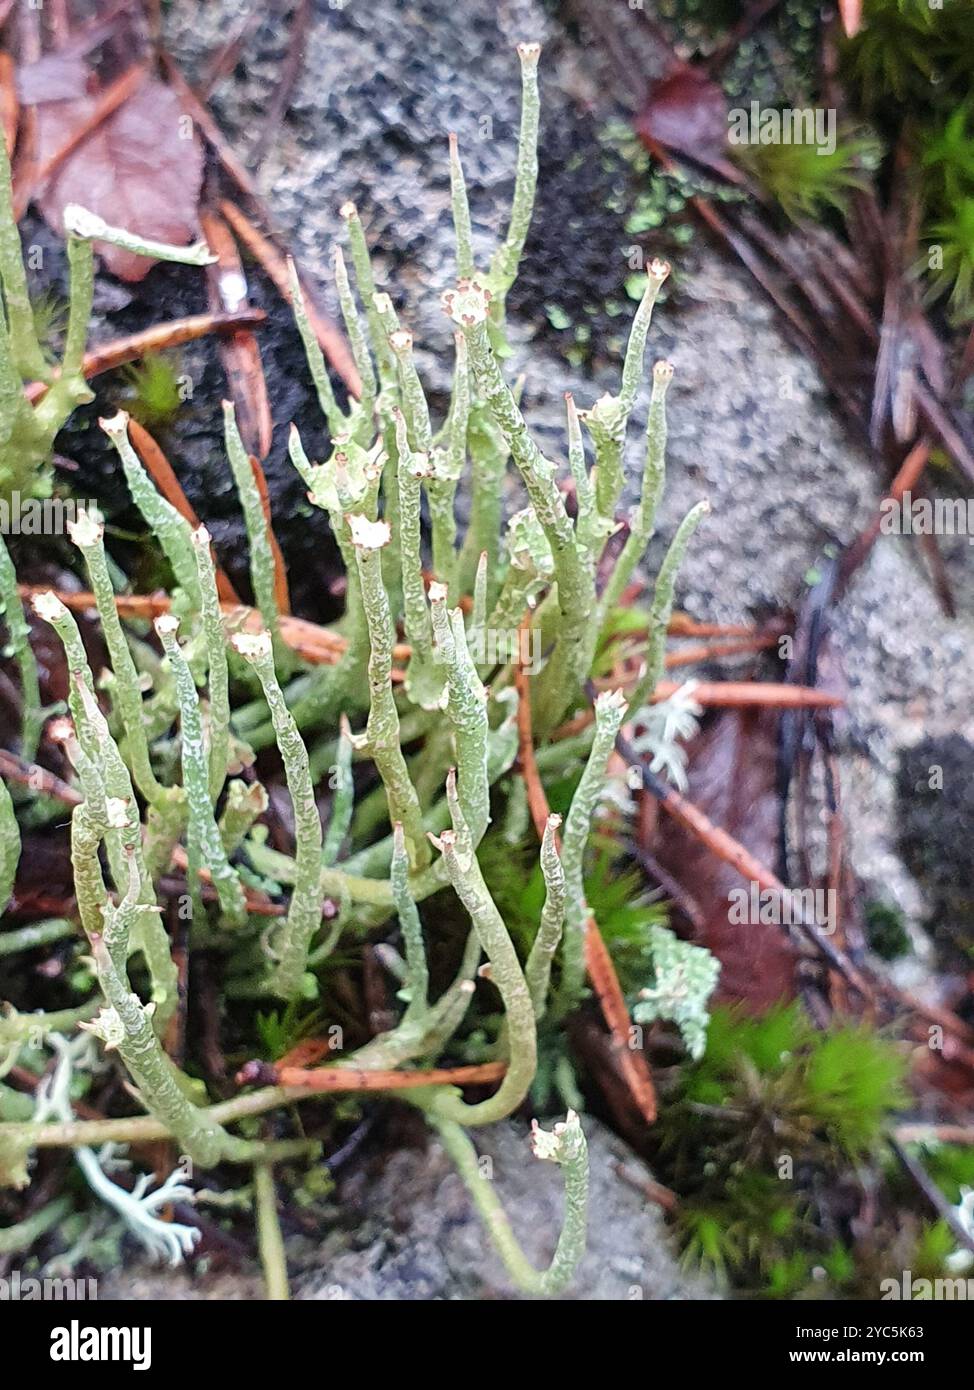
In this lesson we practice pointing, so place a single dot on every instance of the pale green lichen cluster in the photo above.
(168, 771)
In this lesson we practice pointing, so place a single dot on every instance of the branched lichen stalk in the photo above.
(314, 355)
(49, 607)
(81, 263)
(25, 349)
(199, 1136)
(262, 570)
(587, 526)
(537, 971)
(328, 499)
(244, 802)
(566, 1146)
(270, 1241)
(171, 530)
(88, 535)
(89, 886)
(414, 404)
(461, 211)
(196, 780)
(417, 971)
(610, 708)
(92, 762)
(507, 257)
(413, 467)
(504, 972)
(467, 708)
(643, 518)
(79, 222)
(447, 463)
(609, 417)
(18, 646)
(37, 934)
(382, 730)
(662, 606)
(9, 845)
(343, 797)
(358, 344)
(467, 306)
(365, 284)
(70, 388)
(218, 677)
(477, 631)
(125, 843)
(304, 912)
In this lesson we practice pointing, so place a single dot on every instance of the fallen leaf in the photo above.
(140, 169)
(732, 778)
(55, 77)
(687, 112)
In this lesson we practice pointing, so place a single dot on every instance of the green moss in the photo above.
(761, 1130)
(807, 180)
(154, 395)
(886, 930)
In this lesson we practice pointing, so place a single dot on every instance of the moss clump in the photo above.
(759, 1137)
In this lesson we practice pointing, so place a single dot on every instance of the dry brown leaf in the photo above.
(687, 112)
(141, 169)
(55, 77)
(732, 771)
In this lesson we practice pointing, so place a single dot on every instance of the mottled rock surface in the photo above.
(409, 1232)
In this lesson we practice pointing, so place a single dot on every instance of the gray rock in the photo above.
(414, 1233)
(409, 1232)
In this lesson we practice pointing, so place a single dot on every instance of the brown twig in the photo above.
(707, 651)
(339, 1078)
(296, 27)
(9, 105)
(239, 352)
(751, 869)
(39, 779)
(934, 1133)
(731, 694)
(682, 625)
(944, 1209)
(909, 474)
(160, 338)
(654, 1192)
(161, 472)
(335, 348)
(226, 58)
(315, 644)
(721, 695)
(274, 266)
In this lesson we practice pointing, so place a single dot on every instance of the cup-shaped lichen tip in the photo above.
(368, 535)
(86, 530)
(252, 646)
(467, 304)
